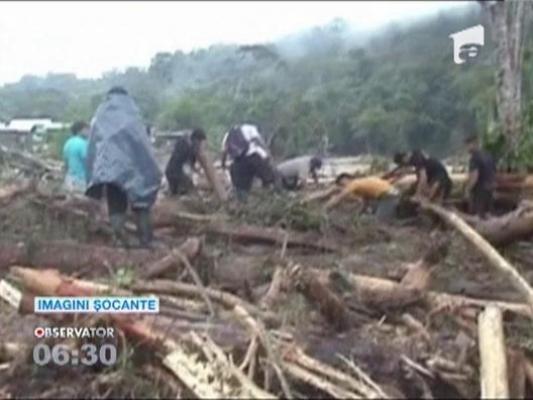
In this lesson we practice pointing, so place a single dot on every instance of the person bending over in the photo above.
(246, 147)
(432, 179)
(295, 172)
(183, 157)
(372, 190)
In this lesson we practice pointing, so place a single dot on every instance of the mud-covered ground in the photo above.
(371, 249)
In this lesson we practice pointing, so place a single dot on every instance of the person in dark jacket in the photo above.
(433, 181)
(481, 178)
(184, 155)
(121, 165)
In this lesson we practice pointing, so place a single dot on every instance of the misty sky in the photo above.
(88, 38)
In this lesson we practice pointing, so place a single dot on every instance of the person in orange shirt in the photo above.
(372, 190)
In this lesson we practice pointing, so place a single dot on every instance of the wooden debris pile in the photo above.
(254, 311)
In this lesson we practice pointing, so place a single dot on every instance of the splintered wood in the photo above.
(494, 380)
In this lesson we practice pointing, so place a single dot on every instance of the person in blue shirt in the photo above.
(75, 157)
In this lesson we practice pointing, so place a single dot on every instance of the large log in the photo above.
(506, 229)
(168, 213)
(190, 249)
(491, 255)
(379, 287)
(330, 306)
(75, 258)
(251, 233)
(503, 182)
(493, 376)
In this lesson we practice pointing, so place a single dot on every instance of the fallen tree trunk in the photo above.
(494, 258)
(492, 354)
(329, 304)
(228, 300)
(379, 287)
(503, 230)
(167, 213)
(191, 248)
(75, 258)
(503, 182)
(250, 233)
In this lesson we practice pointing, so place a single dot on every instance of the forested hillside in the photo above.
(380, 92)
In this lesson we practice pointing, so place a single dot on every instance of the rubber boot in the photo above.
(118, 222)
(144, 228)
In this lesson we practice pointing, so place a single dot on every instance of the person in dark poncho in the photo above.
(184, 154)
(121, 165)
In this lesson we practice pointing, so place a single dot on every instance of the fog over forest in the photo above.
(394, 88)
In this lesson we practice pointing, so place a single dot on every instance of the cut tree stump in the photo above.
(493, 376)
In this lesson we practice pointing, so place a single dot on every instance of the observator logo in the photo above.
(39, 332)
(69, 332)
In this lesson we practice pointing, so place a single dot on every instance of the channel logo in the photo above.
(69, 332)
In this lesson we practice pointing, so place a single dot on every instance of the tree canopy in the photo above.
(391, 90)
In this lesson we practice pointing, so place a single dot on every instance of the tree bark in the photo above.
(75, 258)
(378, 287)
(506, 229)
(509, 22)
(492, 256)
(191, 248)
(253, 233)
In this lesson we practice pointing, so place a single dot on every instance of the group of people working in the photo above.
(113, 159)
(250, 159)
(432, 182)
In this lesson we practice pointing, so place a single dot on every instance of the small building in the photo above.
(34, 125)
(22, 133)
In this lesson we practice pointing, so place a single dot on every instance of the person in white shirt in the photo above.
(295, 172)
(246, 147)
